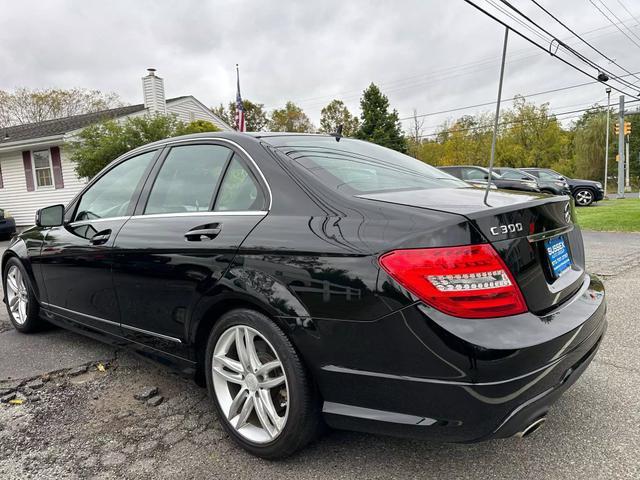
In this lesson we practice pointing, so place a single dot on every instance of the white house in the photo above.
(34, 170)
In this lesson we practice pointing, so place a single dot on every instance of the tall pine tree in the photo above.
(378, 124)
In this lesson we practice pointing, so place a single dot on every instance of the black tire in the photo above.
(584, 197)
(303, 423)
(33, 322)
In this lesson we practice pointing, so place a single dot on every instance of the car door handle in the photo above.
(199, 234)
(100, 238)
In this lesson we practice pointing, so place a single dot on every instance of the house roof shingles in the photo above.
(60, 126)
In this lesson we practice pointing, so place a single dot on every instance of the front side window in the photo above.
(188, 179)
(513, 175)
(42, 168)
(239, 191)
(111, 195)
(358, 167)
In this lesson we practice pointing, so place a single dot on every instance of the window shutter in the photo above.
(28, 170)
(58, 181)
(1, 184)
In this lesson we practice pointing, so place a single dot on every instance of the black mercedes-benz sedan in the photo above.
(311, 280)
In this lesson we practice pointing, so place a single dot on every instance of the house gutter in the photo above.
(30, 143)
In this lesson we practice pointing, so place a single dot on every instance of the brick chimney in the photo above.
(153, 91)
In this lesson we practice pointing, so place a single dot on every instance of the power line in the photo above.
(432, 77)
(618, 19)
(514, 122)
(627, 10)
(614, 23)
(567, 47)
(466, 107)
(523, 36)
(582, 39)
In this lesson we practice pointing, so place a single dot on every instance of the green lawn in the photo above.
(611, 215)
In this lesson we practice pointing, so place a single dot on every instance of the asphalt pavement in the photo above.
(91, 427)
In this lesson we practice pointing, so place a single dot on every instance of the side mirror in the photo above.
(52, 216)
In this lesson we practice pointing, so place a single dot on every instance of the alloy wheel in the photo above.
(250, 384)
(17, 295)
(584, 197)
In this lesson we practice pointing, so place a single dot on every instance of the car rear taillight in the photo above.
(470, 281)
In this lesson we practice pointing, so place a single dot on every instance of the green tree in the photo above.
(589, 144)
(25, 105)
(97, 145)
(336, 113)
(255, 116)
(291, 118)
(379, 125)
(197, 126)
(531, 137)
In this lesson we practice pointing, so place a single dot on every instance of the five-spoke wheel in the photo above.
(17, 295)
(584, 197)
(261, 390)
(250, 384)
(23, 308)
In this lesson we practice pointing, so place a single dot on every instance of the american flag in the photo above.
(240, 126)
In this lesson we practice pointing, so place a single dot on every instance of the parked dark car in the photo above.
(479, 175)
(7, 225)
(546, 185)
(307, 279)
(585, 192)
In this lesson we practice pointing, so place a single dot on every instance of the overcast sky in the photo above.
(427, 55)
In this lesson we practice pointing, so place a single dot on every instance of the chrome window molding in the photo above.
(109, 322)
(95, 220)
(169, 142)
(256, 213)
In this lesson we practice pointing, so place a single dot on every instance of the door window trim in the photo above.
(155, 173)
(236, 152)
(71, 208)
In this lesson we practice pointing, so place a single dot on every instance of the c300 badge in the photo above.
(508, 228)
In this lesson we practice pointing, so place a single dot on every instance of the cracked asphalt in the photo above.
(87, 424)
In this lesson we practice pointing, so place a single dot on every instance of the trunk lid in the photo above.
(522, 227)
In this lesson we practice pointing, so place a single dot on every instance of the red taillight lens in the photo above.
(470, 281)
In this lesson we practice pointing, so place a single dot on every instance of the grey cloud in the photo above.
(419, 52)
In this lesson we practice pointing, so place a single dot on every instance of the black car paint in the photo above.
(575, 184)
(383, 361)
(502, 183)
(546, 186)
(7, 225)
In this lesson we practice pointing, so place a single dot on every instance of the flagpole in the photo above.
(240, 125)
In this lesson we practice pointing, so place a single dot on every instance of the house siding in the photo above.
(189, 110)
(23, 204)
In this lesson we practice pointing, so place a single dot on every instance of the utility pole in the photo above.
(606, 150)
(621, 148)
(627, 186)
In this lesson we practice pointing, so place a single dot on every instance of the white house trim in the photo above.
(34, 173)
(16, 196)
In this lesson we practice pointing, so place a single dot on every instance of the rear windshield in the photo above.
(358, 167)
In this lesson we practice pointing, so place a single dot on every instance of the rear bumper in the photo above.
(454, 389)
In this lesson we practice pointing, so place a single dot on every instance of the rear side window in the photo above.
(239, 191)
(544, 175)
(357, 167)
(112, 193)
(474, 174)
(188, 179)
